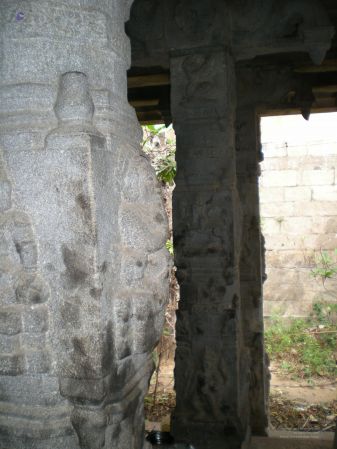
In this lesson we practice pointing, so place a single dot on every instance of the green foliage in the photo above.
(162, 155)
(326, 266)
(151, 131)
(169, 247)
(155, 129)
(167, 168)
(325, 313)
(305, 347)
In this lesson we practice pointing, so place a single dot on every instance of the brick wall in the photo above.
(298, 195)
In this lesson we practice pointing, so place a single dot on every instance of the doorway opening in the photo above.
(149, 93)
(159, 144)
(298, 194)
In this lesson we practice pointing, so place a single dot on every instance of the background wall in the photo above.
(298, 195)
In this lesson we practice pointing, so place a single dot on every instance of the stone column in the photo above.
(84, 275)
(247, 165)
(211, 379)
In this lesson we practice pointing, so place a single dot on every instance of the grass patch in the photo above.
(305, 348)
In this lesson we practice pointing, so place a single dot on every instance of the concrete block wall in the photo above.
(298, 202)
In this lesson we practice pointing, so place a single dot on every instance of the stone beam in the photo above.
(259, 27)
(273, 87)
(84, 269)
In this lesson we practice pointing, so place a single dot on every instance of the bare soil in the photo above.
(294, 404)
(318, 391)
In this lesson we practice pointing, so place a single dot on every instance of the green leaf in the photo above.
(169, 247)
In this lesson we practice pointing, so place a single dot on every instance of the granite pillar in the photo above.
(84, 276)
(211, 371)
(247, 165)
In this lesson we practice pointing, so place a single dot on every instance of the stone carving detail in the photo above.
(247, 146)
(143, 14)
(24, 314)
(200, 88)
(146, 26)
(25, 356)
(273, 87)
(191, 16)
(100, 223)
(211, 361)
(115, 277)
(290, 26)
(265, 27)
(201, 77)
(24, 18)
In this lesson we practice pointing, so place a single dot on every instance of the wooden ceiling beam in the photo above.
(329, 65)
(160, 79)
(144, 121)
(144, 102)
(328, 89)
(149, 116)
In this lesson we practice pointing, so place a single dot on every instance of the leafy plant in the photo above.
(162, 154)
(305, 347)
(324, 312)
(160, 149)
(169, 247)
(326, 267)
(150, 131)
(167, 168)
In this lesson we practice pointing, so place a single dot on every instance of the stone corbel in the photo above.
(126, 5)
(295, 26)
(274, 88)
(317, 42)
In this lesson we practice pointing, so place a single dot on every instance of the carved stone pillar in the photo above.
(83, 262)
(211, 378)
(247, 163)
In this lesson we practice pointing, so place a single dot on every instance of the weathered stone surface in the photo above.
(83, 265)
(157, 27)
(275, 178)
(298, 193)
(296, 25)
(211, 373)
(251, 263)
(84, 269)
(318, 177)
(198, 105)
(295, 240)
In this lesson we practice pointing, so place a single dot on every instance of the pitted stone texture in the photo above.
(18, 316)
(211, 372)
(254, 28)
(83, 237)
(247, 160)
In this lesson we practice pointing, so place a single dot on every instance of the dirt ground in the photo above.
(294, 404)
(318, 392)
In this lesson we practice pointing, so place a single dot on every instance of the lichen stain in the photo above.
(76, 272)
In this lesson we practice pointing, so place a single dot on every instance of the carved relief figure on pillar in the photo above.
(24, 315)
